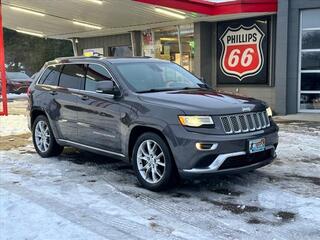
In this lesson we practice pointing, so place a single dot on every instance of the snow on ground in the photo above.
(13, 125)
(80, 195)
(14, 96)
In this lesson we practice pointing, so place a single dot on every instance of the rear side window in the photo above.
(72, 76)
(51, 75)
(95, 73)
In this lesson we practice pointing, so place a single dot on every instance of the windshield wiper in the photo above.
(201, 86)
(156, 90)
(187, 88)
(190, 88)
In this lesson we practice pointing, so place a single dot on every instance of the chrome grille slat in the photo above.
(257, 121)
(242, 123)
(226, 126)
(263, 123)
(231, 127)
(267, 118)
(254, 122)
(250, 122)
(235, 124)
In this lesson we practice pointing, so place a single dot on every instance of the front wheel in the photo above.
(153, 163)
(43, 138)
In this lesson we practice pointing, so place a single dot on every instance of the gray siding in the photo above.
(281, 58)
(265, 93)
(203, 57)
(104, 42)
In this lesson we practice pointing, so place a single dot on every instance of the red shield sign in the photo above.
(242, 51)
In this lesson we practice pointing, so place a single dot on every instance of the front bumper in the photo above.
(217, 166)
(230, 156)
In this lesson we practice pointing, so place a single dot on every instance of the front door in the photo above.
(99, 116)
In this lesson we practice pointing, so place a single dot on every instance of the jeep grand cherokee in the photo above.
(152, 113)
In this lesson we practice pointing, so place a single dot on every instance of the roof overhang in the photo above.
(218, 7)
(55, 19)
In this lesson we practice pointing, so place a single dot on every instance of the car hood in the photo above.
(204, 101)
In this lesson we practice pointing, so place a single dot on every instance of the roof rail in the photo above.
(65, 59)
(110, 57)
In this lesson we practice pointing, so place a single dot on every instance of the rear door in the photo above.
(98, 114)
(44, 98)
(67, 97)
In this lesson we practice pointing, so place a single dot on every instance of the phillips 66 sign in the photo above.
(243, 52)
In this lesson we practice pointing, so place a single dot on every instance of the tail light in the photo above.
(28, 92)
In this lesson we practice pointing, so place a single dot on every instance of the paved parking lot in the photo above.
(80, 195)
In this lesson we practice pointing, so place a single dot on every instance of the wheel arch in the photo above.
(35, 112)
(137, 131)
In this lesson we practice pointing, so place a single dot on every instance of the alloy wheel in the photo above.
(151, 161)
(42, 136)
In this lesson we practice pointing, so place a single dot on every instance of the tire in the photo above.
(49, 147)
(154, 169)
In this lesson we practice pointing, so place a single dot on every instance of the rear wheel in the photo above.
(43, 138)
(153, 163)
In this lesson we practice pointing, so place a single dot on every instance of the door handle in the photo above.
(84, 98)
(52, 92)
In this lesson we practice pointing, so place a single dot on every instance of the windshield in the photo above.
(157, 76)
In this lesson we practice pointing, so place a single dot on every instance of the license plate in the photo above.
(257, 145)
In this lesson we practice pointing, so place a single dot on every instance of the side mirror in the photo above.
(107, 87)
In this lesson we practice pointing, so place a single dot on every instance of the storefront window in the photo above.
(310, 61)
(163, 43)
(120, 51)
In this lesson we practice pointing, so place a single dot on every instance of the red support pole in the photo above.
(3, 71)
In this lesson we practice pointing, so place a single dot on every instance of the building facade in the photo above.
(273, 56)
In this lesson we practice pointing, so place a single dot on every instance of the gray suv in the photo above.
(151, 113)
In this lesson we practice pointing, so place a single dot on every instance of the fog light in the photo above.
(206, 146)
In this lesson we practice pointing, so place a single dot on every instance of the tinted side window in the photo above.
(95, 73)
(51, 76)
(72, 76)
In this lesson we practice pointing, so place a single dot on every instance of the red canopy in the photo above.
(3, 91)
(218, 8)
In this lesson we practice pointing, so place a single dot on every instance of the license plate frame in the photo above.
(257, 145)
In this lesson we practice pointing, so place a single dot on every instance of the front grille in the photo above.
(247, 122)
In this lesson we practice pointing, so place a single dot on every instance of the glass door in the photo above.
(309, 72)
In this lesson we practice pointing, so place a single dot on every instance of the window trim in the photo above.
(81, 62)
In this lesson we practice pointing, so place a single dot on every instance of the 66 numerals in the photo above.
(244, 58)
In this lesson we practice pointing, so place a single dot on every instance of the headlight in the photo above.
(269, 112)
(196, 121)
